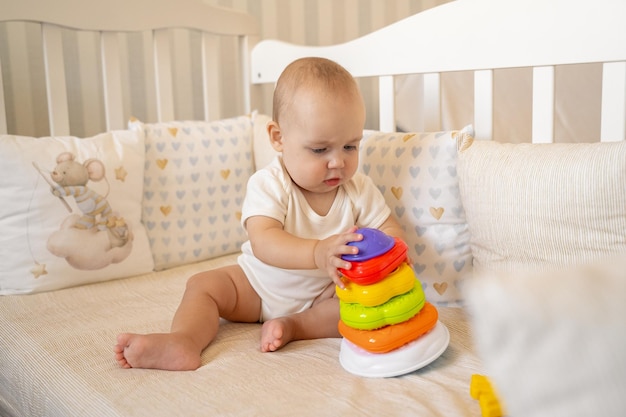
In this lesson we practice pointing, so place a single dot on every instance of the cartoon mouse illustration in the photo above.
(70, 179)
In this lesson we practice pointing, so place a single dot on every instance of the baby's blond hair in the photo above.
(320, 74)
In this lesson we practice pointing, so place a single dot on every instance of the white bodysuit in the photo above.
(271, 193)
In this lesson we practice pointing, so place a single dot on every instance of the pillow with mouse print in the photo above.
(71, 211)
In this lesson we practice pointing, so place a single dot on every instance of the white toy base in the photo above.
(406, 359)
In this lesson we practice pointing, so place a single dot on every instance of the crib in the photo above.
(478, 211)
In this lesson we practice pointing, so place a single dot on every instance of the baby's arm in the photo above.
(274, 246)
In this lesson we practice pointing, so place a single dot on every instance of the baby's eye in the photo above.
(350, 148)
(318, 150)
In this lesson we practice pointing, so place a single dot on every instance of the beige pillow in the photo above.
(531, 207)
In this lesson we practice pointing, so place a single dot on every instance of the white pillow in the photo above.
(532, 207)
(195, 181)
(44, 246)
(554, 343)
(417, 174)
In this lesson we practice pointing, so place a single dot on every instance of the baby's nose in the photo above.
(336, 162)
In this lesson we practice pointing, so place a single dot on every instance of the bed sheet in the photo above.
(56, 360)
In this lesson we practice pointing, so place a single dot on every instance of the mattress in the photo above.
(57, 360)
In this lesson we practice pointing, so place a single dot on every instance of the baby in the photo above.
(300, 213)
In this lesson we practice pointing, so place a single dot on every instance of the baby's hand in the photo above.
(328, 253)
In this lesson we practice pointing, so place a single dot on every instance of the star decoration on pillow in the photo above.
(120, 173)
(38, 270)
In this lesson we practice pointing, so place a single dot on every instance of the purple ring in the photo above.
(373, 244)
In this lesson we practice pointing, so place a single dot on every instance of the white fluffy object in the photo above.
(555, 344)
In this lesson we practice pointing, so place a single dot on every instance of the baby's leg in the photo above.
(319, 321)
(224, 292)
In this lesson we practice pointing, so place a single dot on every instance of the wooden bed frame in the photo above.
(481, 36)
(522, 34)
(474, 42)
(155, 19)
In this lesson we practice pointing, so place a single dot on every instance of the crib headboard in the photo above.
(482, 36)
(158, 20)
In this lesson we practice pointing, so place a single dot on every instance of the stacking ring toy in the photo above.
(392, 337)
(375, 269)
(400, 281)
(400, 308)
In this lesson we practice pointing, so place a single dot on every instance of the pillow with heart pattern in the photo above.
(416, 172)
(194, 184)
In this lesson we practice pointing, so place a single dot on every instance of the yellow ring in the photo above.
(398, 282)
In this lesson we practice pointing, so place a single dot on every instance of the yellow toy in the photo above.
(400, 281)
(482, 390)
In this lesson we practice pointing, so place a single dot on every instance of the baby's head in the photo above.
(312, 75)
(317, 124)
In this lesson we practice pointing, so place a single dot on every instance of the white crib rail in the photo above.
(111, 80)
(55, 80)
(481, 36)
(3, 116)
(613, 119)
(112, 17)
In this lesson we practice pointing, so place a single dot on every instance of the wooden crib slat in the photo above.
(88, 56)
(111, 80)
(543, 105)
(25, 118)
(211, 89)
(181, 57)
(163, 76)
(483, 104)
(148, 101)
(246, 67)
(55, 80)
(432, 102)
(613, 118)
(386, 103)
(3, 110)
(120, 93)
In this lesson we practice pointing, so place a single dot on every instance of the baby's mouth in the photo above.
(332, 182)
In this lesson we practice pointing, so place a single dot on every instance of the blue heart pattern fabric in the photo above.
(416, 172)
(194, 184)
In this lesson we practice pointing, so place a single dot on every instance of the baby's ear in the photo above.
(275, 135)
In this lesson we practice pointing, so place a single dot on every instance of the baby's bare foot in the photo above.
(276, 333)
(168, 351)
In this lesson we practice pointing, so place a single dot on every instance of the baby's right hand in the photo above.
(328, 253)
